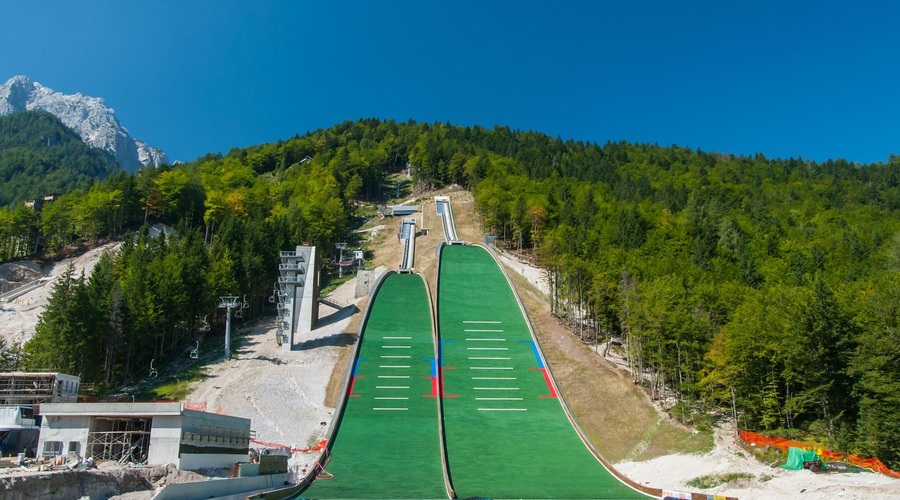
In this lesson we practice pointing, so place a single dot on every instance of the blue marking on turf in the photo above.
(534, 349)
(356, 365)
(434, 370)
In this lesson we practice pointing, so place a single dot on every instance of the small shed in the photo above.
(149, 433)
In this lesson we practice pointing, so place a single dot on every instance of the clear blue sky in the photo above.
(814, 80)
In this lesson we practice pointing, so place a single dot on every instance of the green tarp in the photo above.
(797, 457)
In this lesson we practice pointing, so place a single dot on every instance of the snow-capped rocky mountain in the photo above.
(90, 117)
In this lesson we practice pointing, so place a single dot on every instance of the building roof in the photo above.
(404, 209)
(132, 410)
(111, 409)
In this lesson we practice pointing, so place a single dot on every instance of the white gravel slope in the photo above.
(19, 317)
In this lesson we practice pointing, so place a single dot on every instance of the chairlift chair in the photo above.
(153, 372)
(245, 304)
(195, 354)
(204, 325)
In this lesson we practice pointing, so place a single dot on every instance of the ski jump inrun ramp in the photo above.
(459, 407)
(442, 206)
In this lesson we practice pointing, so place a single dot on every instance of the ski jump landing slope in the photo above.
(506, 430)
(387, 442)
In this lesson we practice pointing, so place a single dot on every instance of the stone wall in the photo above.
(98, 484)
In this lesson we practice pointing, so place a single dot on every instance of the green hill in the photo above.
(761, 287)
(40, 155)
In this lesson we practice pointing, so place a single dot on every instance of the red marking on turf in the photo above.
(352, 383)
(553, 394)
(434, 387)
(444, 394)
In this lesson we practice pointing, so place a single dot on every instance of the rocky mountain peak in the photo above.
(90, 117)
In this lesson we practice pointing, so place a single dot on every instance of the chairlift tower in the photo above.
(228, 303)
(341, 247)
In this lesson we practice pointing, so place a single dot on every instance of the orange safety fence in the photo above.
(195, 406)
(322, 444)
(783, 445)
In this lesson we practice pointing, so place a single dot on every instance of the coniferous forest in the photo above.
(767, 288)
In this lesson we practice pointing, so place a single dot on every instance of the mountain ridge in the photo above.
(90, 117)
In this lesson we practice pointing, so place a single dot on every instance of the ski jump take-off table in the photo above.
(461, 407)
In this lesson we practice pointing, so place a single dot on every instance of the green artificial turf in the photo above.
(506, 435)
(381, 451)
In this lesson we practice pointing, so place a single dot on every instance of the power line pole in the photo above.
(228, 303)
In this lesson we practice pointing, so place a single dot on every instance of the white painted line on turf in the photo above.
(390, 409)
(395, 357)
(490, 368)
(488, 348)
(395, 347)
(391, 398)
(482, 322)
(494, 359)
(503, 409)
(393, 376)
(496, 388)
(496, 399)
(392, 387)
(393, 366)
(484, 331)
(396, 338)
(487, 340)
(493, 378)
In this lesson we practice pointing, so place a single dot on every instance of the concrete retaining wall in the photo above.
(219, 487)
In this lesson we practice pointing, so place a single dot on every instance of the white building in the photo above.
(21, 394)
(18, 430)
(151, 433)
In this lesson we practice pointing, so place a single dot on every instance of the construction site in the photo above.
(424, 376)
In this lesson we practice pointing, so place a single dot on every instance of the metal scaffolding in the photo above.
(125, 441)
(292, 273)
(34, 388)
